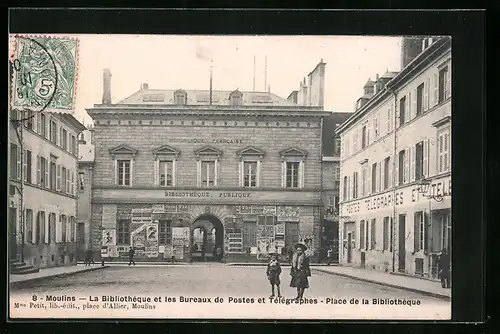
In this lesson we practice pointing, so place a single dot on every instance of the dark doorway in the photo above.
(13, 236)
(402, 241)
(80, 241)
(363, 259)
(207, 239)
(349, 247)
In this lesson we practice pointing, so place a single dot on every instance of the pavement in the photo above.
(408, 283)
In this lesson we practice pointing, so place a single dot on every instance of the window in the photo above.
(28, 115)
(391, 233)
(420, 99)
(364, 137)
(166, 172)
(207, 174)
(72, 148)
(123, 232)
(80, 181)
(27, 166)
(344, 192)
(249, 174)
(444, 84)
(123, 172)
(402, 110)
(419, 161)
(375, 126)
(385, 241)
(444, 150)
(28, 223)
(64, 139)
(361, 234)
(15, 161)
(292, 174)
(250, 233)
(44, 172)
(337, 146)
(42, 130)
(389, 119)
(374, 178)
(165, 232)
(336, 176)
(64, 175)
(64, 223)
(336, 203)
(373, 236)
(355, 185)
(53, 175)
(53, 131)
(42, 226)
(419, 232)
(52, 228)
(386, 172)
(364, 180)
(401, 167)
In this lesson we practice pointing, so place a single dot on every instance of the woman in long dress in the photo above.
(300, 270)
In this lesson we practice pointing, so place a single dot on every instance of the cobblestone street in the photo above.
(207, 280)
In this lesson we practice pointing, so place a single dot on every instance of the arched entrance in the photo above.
(207, 235)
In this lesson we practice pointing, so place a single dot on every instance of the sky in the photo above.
(183, 62)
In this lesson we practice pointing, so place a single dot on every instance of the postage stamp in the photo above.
(44, 72)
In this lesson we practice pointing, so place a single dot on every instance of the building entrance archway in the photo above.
(207, 239)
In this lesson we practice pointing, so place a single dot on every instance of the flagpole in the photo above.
(211, 65)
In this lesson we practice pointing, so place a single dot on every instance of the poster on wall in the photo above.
(180, 241)
(308, 240)
(151, 240)
(108, 237)
(279, 235)
(288, 214)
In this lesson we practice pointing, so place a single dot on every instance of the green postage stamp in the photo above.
(44, 72)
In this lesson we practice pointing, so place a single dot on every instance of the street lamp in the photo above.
(423, 188)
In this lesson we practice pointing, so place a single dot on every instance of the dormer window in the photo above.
(236, 98)
(180, 97)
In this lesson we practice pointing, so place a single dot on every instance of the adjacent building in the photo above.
(43, 193)
(330, 181)
(395, 198)
(85, 169)
(181, 173)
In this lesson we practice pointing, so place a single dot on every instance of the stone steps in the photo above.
(21, 268)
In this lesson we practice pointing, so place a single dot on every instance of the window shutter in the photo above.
(407, 107)
(427, 86)
(435, 85)
(241, 166)
(198, 173)
(18, 149)
(380, 175)
(58, 230)
(156, 171)
(406, 174)
(416, 231)
(396, 171)
(349, 188)
(426, 158)
(448, 83)
(414, 106)
(25, 164)
(46, 223)
(38, 174)
(58, 177)
(426, 232)
(60, 137)
(368, 130)
(390, 177)
(446, 149)
(38, 124)
(259, 166)
(412, 163)
(46, 181)
(369, 179)
(115, 171)
(283, 174)
(131, 172)
(301, 174)
(174, 172)
(33, 228)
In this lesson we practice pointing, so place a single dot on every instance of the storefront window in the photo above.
(123, 232)
(165, 232)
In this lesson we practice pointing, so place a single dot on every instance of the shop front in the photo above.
(208, 225)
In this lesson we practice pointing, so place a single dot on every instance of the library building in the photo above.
(206, 175)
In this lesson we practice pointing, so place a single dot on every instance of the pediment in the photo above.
(293, 152)
(166, 150)
(208, 150)
(123, 149)
(252, 151)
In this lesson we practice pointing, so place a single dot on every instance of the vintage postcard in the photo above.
(230, 177)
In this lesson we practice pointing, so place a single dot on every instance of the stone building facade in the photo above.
(244, 170)
(396, 169)
(42, 188)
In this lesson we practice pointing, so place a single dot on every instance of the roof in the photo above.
(70, 119)
(329, 126)
(202, 97)
(389, 75)
(366, 96)
(369, 83)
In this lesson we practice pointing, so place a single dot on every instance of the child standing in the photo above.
(273, 274)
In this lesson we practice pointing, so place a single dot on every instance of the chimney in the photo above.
(106, 89)
(376, 77)
(411, 47)
(81, 140)
(145, 86)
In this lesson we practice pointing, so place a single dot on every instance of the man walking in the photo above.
(444, 269)
(329, 255)
(131, 253)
